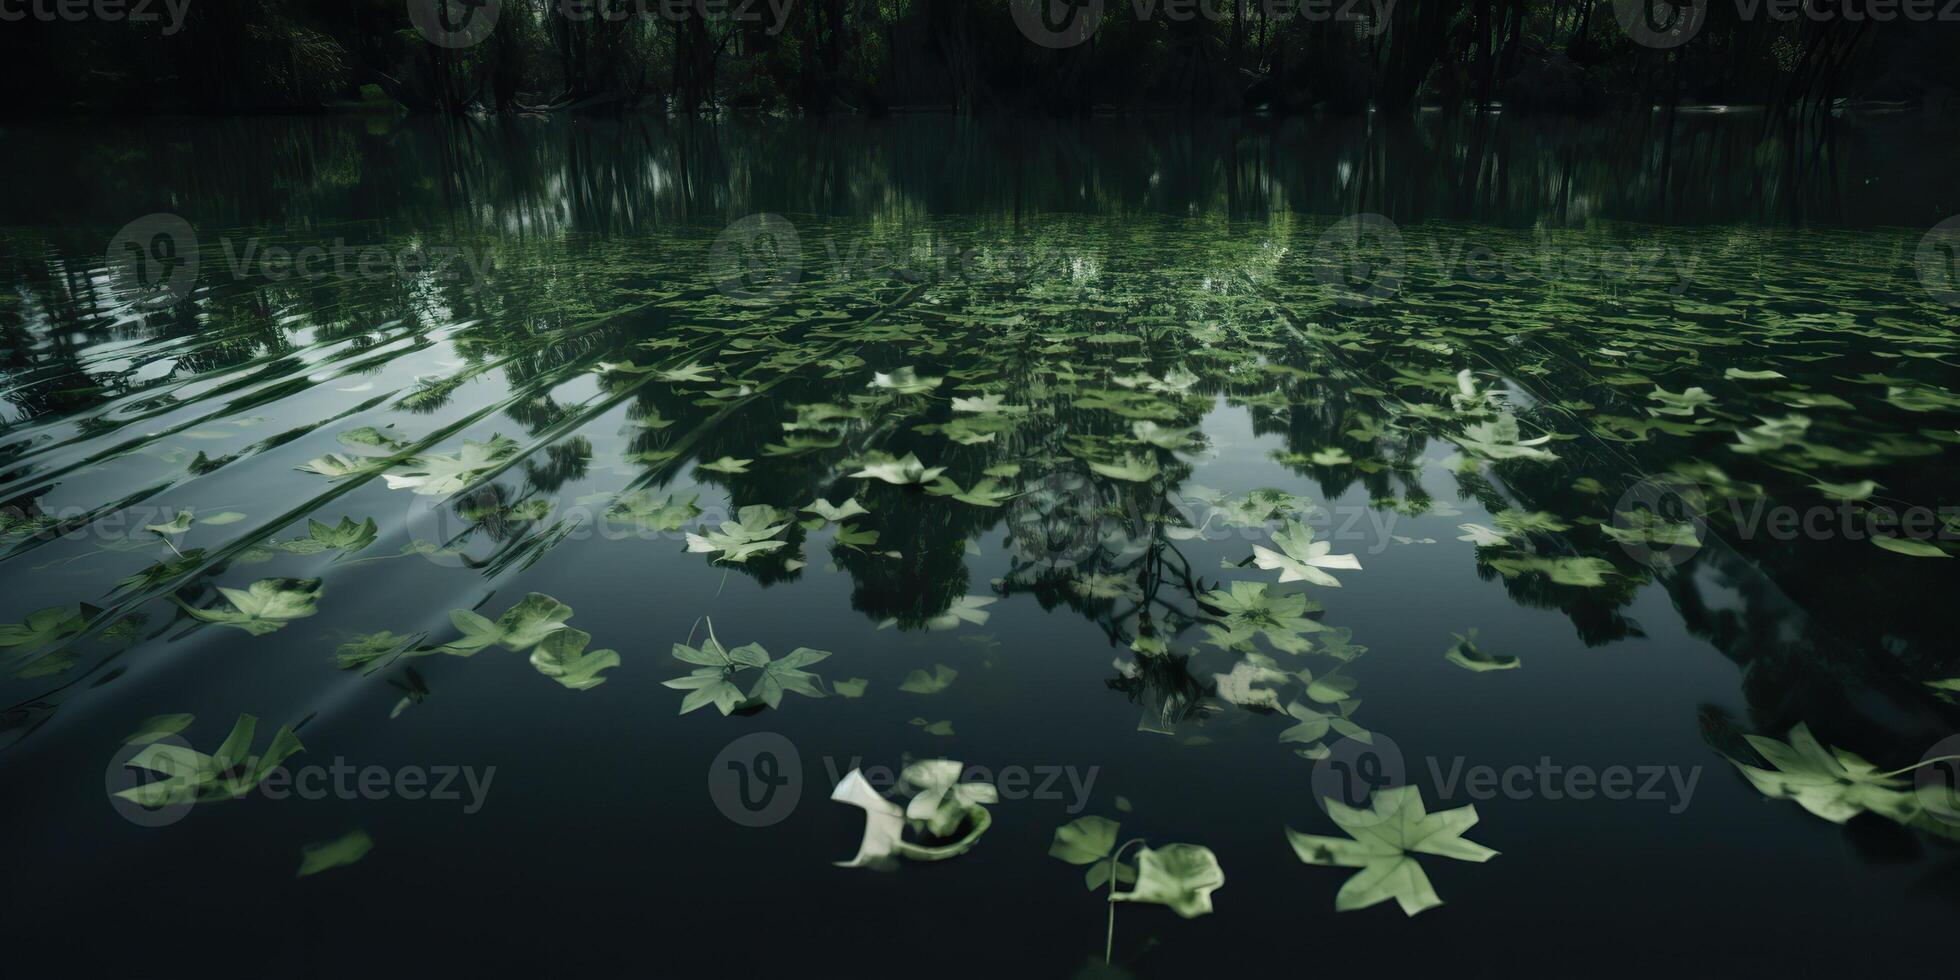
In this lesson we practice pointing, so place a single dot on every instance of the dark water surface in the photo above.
(1610, 399)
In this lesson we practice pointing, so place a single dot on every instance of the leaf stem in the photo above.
(1109, 937)
(1920, 765)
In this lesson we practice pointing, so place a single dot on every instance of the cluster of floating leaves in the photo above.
(970, 406)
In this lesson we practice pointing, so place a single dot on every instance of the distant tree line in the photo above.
(972, 56)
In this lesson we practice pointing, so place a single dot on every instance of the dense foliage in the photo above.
(966, 55)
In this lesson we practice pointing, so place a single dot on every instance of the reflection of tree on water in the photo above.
(1160, 321)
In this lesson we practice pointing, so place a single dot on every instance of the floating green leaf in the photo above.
(1464, 654)
(339, 852)
(439, 475)
(1300, 558)
(193, 777)
(159, 727)
(562, 656)
(1385, 838)
(521, 627)
(266, 605)
(920, 682)
(753, 532)
(1181, 876)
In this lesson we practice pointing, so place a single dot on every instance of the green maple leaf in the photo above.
(1311, 725)
(920, 682)
(266, 605)
(717, 669)
(903, 471)
(787, 675)
(707, 686)
(753, 532)
(1834, 784)
(1385, 839)
(943, 802)
(1300, 558)
(346, 537)
(336, 465)
(562, 657)
(1133, 468)
(1499, 440)
(986, 493)
(833, 513)
(521, 627)
(439, 475)
(1250, 610)
(965, 609)
(42, 627)
(667, 513)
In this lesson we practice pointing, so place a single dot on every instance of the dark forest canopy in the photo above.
(979, 56)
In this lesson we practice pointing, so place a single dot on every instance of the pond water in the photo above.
(1153, 471)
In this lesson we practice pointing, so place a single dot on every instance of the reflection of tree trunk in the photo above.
(954, 32)
(1415, 44)
(695, 54)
